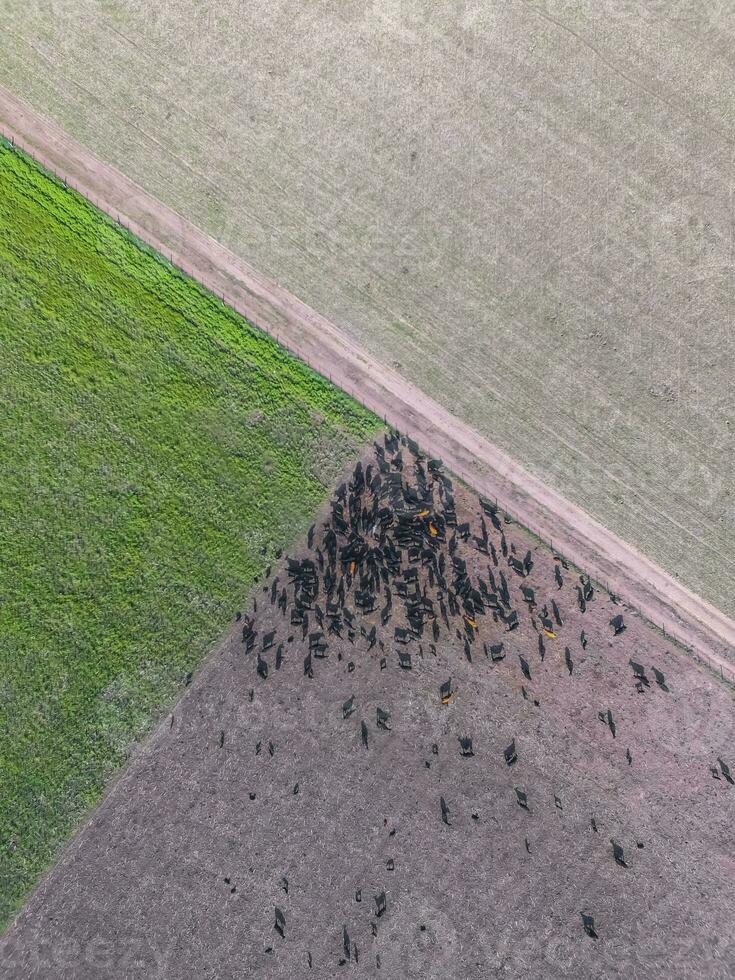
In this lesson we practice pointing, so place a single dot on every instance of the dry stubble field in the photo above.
(524, 206)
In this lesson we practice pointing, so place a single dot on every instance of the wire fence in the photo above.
(379, 410)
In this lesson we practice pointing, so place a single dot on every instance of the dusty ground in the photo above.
(523, 208)
(179, 872)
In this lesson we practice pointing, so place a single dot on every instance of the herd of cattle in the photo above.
(386, 562)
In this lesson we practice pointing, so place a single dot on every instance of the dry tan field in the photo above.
(526, 208)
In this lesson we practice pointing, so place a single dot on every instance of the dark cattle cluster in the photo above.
(391, 556)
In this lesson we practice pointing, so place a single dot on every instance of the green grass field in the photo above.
(155, 452)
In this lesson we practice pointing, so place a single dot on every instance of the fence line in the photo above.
(379, 411)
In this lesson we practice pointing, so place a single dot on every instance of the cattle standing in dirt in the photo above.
(588, 924)
(617, 624)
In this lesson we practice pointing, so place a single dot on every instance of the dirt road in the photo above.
(659, 597)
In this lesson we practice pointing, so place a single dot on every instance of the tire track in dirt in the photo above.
(686, 617)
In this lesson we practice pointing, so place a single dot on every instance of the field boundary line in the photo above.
(685, 617)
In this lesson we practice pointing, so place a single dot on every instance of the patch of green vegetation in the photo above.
(155, 452)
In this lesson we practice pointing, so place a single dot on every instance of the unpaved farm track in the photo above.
(659, 597)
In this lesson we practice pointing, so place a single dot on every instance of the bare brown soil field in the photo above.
(271, 789)
(661, 598)
(523, 209)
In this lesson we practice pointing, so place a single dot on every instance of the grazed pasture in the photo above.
(431, 751)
